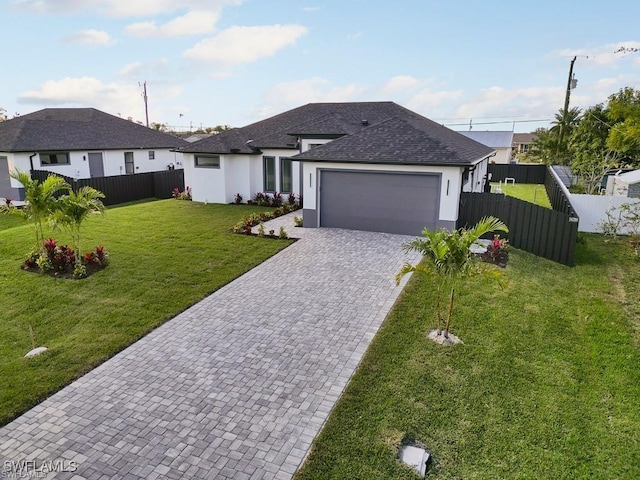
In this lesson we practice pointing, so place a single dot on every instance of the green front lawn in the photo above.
(531, 193)
(546, 386)
(165, 256)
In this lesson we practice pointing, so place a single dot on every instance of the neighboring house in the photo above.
(624, 184)
(81, 143)
(501, 142)
(522, 142)
(368, 166)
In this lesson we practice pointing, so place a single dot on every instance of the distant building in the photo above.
(500, 141)
(522, 141)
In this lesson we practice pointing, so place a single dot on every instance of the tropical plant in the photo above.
(447, 255)
(74, 208)
(40, 201)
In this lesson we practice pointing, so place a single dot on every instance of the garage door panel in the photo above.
(385, 202)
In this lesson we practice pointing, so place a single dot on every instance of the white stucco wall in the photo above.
(113, 161)
(449, 191)
(238, 173)
(503, 155)
(592, 209)
(476, 180)
(207, 184)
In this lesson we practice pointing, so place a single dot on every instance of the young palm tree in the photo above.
(74, 209)
(40, 200)
(447, 255)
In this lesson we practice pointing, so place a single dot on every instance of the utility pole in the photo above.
(571, 83)
(146, 106)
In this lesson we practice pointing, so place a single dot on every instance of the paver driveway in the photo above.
(238, 385)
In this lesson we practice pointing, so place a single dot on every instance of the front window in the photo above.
(269, 167)
(207, 161)
(286, 175)
(60, 158)
(152, 155)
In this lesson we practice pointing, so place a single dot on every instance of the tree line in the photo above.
(601, 138)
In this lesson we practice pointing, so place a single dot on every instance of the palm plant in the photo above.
(40, 200)
(74, 209)
(447, 255)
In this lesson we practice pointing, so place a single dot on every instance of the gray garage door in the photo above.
(379, 202)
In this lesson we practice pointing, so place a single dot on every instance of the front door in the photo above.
(96, 166)
(129, 168)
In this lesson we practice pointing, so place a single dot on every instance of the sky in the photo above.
(491, 65)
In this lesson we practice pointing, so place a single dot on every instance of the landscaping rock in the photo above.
(415, 457)
(35, 351)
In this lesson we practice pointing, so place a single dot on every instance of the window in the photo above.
(152, 155)
(315, 145)
(54, 158)
(269, 171)
(207, 161)
(286, 175)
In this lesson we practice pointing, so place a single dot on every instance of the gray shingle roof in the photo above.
(69, 129)
(497, 139)
(401, 141)
(365, 132)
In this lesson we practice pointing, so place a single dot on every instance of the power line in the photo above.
(495, 123)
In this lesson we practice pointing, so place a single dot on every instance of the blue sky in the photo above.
(210, 62)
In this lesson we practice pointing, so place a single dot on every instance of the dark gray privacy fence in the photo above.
(521, 173)
(127, 188)
(547, 233)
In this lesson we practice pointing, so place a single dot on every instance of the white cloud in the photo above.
(237, 45)
(138, 70)
(90, 37)
(310, 90)
(495, 102)
(400, 83)
(192, 23)
(116, 98)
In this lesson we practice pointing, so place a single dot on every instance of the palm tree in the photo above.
(447, 255)
(40, 200)
(74, 209)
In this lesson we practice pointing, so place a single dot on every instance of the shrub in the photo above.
(297, 221)
(276, 201)
(497, 252)
(178, 195)
(237, 199)
(282, 234)
(292, 199)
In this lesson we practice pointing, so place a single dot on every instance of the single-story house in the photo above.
(522, 142)
(624, 184)
(372, 166)
(81, 143)
(501, 142)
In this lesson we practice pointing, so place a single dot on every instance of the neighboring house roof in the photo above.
(59, 129)
(383, 132)
(524, 137)
(491, 139)
(401, 141)
(630, 177)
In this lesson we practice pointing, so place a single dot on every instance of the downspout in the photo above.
(31, 161)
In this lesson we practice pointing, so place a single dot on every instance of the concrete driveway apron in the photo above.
(237, 386)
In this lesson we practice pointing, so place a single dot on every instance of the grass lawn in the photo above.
(532, 193)
(165, 256)
(10, 221)
(546, 386)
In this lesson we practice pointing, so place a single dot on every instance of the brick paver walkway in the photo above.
(238, 385)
